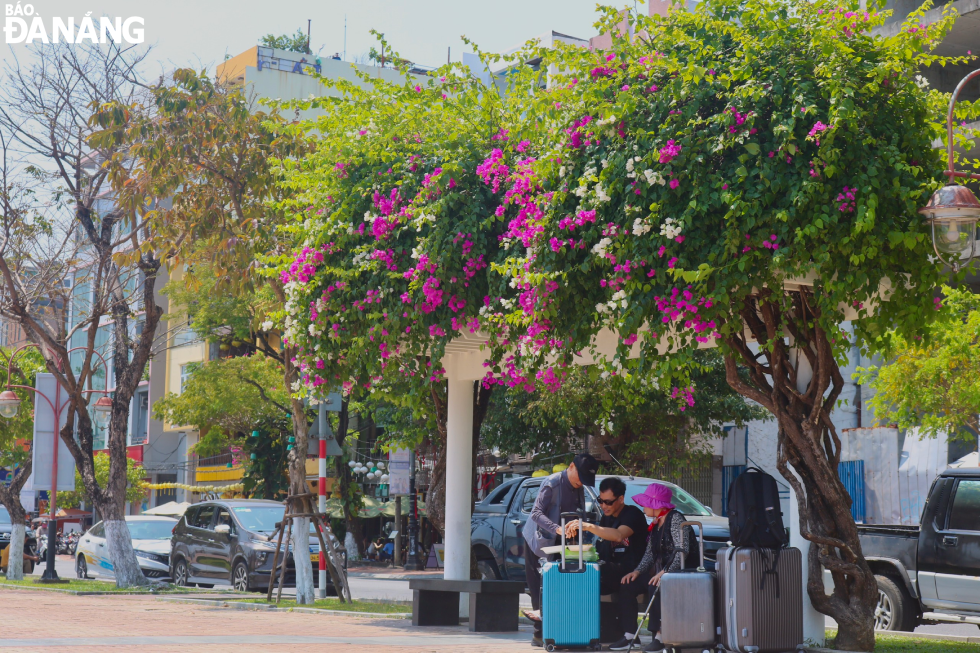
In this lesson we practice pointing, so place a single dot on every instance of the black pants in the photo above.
(626, 600)
(532, 572)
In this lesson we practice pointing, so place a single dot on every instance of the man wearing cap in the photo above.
(667, 546)
(560, 492)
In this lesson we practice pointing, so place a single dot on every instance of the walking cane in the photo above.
(643, 618)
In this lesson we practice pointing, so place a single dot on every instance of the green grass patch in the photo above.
(79, 585)
(335, 604)
(904, 644)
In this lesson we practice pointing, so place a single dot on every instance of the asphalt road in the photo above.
(369, 587)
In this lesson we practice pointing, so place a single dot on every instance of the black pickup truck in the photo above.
(930, 573)
(496, 532)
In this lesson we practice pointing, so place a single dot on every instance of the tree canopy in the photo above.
(290, 42)
(933, 382)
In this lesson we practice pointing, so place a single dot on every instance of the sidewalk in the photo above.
(41, 620)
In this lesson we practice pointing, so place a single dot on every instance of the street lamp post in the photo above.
(9, 406)
(412, 562)
(953, 211)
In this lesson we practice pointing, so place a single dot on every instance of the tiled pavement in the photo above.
(50, 621)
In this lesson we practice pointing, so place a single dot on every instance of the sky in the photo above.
(203, 32)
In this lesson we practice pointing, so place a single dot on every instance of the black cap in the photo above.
(586, 466)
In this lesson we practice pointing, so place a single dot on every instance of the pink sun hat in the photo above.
(656, 496)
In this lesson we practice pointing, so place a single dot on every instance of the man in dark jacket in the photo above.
(560, 492)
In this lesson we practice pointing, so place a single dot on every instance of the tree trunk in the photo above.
(15, 557)
(808, 443)
(305, 593)
(119, 545)
(10, 498)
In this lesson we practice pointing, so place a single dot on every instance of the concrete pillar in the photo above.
(459, 474)
(814, 623)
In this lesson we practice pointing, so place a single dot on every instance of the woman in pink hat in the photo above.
(667, 544)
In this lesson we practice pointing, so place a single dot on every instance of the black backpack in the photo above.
(754, 517)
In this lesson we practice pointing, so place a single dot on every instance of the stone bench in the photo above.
(494, 604)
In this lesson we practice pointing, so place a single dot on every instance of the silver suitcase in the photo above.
(687, 600)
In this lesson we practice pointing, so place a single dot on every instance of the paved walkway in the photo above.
(51, 621)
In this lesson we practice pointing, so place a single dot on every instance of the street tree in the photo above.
(16, 449)
(207, 150)
(932, 381)
(227, 400)
(135, 482)
(396, 231)
(744, 175)
(91, 256)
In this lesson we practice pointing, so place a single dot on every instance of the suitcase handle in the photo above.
(581, 552)
(700, 542)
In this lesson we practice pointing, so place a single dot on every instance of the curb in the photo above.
(87, 592)
(262, 607)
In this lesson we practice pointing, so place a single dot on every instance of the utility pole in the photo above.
(309, 43)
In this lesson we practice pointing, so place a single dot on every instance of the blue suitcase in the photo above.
(570, 601)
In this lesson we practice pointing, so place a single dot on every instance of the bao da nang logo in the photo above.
(24, 26)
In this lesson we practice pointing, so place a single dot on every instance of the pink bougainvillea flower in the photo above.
(674, 183)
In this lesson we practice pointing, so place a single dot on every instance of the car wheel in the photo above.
(180, 573)
(488, 570)
(239, 578)
(894, 610)
(81, 567)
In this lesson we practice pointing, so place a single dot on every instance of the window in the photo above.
(224, 517)
(97, 531)
(185, 336)
(500, 495)
(529, 496)
(965, 513)
(185, 373)
(203, 518)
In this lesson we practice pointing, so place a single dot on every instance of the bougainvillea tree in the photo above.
(744, 176)
(399, 229)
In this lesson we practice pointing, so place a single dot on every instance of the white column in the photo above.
(459, 476)
(814, 623)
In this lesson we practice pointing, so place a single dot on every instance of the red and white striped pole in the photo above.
(322, 507)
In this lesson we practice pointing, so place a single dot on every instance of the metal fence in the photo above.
(696, 478)
(851, 474)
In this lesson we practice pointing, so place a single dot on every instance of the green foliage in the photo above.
(217, 312)
(135, 490)
(398, 229)
(226, 397)
(642, 420)
(739, 147)
(933, 382)
(20, 428)
(290, 42)
(266, 477)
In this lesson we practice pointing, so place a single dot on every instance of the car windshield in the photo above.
(4, 516)
(259, 518)
(262, 519)
(681, 499)
(156, 529)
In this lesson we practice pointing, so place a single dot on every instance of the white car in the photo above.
(151, 541)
